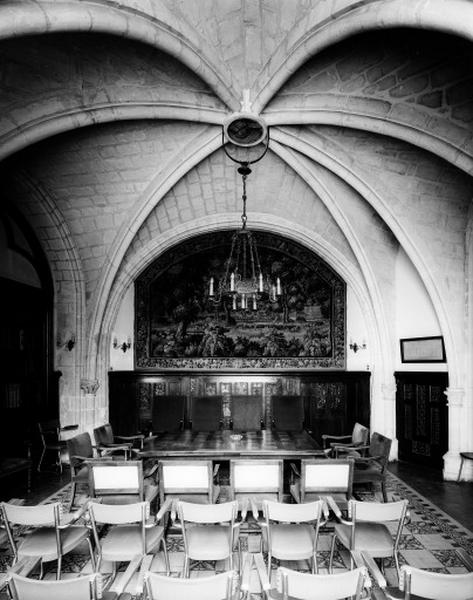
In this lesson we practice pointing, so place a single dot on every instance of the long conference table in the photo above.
(226, 444)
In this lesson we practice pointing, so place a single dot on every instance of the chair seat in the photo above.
(292, 542)
(374, 537)
(42, 542)
(208, 542)
(368, 474)
(123, 542)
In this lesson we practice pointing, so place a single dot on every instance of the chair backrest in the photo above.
(118, 514)
(247, 413)
(168, 413)
(327, 476)
(287, 413)
(360, 434)
(380, 447)
(206, 413)
(35, 516)
(49, 431)
(251, 477)
(215, 587)
(103, 434)
(378, 512)
(80, 588)
(116, 482)
(292, 513)
(306, 586)
(79, 445)
(435, 586)
(225, 512)
(185, 478)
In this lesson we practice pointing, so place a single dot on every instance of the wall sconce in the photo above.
(123, 346)
(68, 344)
(355, 347)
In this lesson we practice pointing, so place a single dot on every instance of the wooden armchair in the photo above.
(338, 444)
(107, 443)
(372, 467)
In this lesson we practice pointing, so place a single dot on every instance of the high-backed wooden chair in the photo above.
(81, 452)
(51, 441)
(120, 482)
(371, 462)
(206, 413)
(168, 413)
(324, 477)
(287, 413)
(191, 480)
(256, 480)
(247, 413)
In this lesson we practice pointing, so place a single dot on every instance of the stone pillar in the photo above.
(455, 435)
(388, 391)
(87, 413)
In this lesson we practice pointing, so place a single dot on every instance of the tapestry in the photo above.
(179, 325)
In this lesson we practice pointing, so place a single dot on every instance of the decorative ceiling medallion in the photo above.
(245, 130)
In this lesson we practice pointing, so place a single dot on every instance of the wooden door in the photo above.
(422, 417)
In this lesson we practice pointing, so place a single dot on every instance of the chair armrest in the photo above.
(246, 574)
(254, 509)
(150, 472)
(68, 519)
(262, 572)
(294, 470)
(373, 569)
(167, 506)
(138, 436)
(326, 437)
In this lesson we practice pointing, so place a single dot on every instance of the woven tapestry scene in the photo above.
(430, 540)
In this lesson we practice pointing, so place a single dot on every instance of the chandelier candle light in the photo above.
(243, 283)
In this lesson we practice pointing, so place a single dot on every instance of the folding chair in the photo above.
(291, 531)
(367, 529)
(210, 531)
(52, 535)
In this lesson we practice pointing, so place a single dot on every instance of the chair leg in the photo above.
(185, 568)
(269, 563)
(332, 550)
(461, 469)
(41, 570)
(73, 496)
(383, 489)
(59, 566)
(91, 552)
(166, 556)
(38, 468)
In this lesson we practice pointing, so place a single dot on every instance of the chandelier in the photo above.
(243, 285)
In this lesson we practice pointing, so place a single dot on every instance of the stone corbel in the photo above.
(89, 386)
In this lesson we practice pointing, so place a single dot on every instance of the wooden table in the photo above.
(224, 444)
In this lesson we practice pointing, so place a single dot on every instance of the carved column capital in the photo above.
(455, 396)
(89, 386)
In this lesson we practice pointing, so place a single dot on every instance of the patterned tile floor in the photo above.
(429, 540)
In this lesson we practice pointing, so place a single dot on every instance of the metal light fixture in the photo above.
(243, 285)
(123, 346)
(355, 347)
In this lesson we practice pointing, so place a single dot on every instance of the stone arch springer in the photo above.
(49, 17)
(358, 18)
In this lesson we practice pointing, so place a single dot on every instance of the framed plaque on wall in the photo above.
(423, 349)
